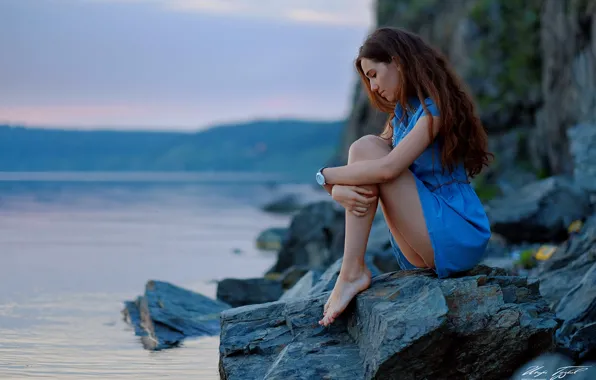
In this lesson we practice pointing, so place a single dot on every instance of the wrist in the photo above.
(320, 177)
(325, 171)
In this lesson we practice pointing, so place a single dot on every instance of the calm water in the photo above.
(71, 252)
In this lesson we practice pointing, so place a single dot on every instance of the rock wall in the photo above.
(529, 65)
(568, 36)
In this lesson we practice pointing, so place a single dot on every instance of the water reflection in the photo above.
(81, 336)
(70, 257)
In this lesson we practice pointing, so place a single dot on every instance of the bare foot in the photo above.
(342, 294)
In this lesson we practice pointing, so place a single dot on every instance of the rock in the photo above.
(568, 55)
(483, 324)
(272, 239)
(555, 366)
(316, 240)
(569, 264)
(539, 212)
(286, 203)
(315, 237)
(167, 314)
(506, 173)
(578, 309)
(303, 286)
(239, 292)
(378, 240)
(292, 275)
(582, 146)
(314, 283)
(385, 260)
(568, 283)
(497, 246)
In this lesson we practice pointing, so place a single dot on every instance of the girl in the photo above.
(419, 168)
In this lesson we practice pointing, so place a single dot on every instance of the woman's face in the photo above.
(382, 77)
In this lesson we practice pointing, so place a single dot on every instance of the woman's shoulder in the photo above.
(414, 111)
(414, 106)
(430, 106)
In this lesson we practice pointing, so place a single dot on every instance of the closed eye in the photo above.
(368, 74)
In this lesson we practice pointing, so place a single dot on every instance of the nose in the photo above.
(373, 86)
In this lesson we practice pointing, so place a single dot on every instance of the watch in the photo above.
(320, 177)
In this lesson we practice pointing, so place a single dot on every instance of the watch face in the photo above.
(320, 179)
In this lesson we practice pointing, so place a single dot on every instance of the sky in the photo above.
(177, 64)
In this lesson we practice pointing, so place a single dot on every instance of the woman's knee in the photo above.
(368, 147)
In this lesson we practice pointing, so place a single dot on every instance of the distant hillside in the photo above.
(287, 146)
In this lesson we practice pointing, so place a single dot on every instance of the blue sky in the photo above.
(177, 64)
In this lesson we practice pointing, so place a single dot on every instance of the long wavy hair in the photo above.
(425, 72)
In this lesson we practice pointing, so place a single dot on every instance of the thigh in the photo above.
(405, 248)
(403, 211)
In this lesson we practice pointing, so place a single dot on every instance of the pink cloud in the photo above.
(164, 116)
(65, 114)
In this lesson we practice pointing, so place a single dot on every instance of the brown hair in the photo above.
(424, 72)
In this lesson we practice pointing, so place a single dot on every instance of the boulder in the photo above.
(578, 310)
(315, 237)
(539, 212)
(568, 283)
(303, 286)
(286, 203)
(314, 282)
(483, 324)
(384, 260)
(582, 144)
(570, 262)
(292, 275)
(271, 239)
(378, 239)
(166, 314)
(239, 292)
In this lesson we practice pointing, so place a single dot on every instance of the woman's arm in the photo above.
(392, 165)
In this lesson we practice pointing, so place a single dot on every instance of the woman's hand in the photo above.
(356, 199)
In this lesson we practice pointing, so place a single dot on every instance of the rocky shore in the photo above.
(486, 323)
(528, 310)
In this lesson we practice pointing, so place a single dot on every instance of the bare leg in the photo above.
(403, 212)
(401, 207)
(354, 276)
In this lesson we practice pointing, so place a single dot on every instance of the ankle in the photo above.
(353, 274)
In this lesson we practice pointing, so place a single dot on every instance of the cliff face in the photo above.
(529, 65)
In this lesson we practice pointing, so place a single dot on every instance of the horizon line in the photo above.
(158, 129)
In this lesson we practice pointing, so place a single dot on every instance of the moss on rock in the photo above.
(508, 51)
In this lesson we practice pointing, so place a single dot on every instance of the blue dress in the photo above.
(457, 224)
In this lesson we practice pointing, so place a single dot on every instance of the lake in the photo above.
(72, 250)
